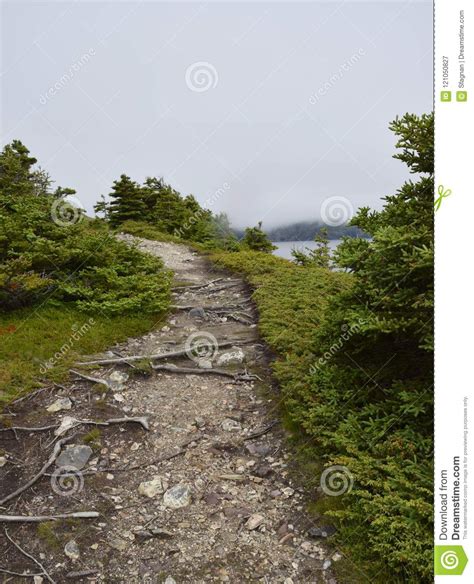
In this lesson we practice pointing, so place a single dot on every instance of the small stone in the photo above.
(135, 446)
(325, 531)
(177, 497)
(165, 329)
(62, 403)
(117, 380)
(258, 449)
(336, 557)
(230, 425)
(76, 456)
(156, 486)
(232, 477)
(254, 521)
(326, 564)
(275, 494)
(94, 546)
(67, 423)
(3, 461)
(38, 579)
(212, 499)
(288, 492)
(199, 422)
(198, 312)
(170, 580)
(263, 471)
(71, 549)
(117, 543)
(204, 364)
(234, 357)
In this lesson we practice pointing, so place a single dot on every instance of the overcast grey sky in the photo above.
(274, 106)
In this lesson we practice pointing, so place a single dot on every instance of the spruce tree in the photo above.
(257, 240)
(127, 201)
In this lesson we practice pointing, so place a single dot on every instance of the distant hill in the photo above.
(306, 231)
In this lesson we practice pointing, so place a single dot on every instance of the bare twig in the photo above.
(165, 457)
(169, 355)
(140, 420)
(192, 370)
(196, 286)
(19, 574)
(28, 429)
(81, 574)
(41, 518)
(242, 376)
(25, 553)
(54, 455)
(93, 379)
(212, 308)
(261, 432)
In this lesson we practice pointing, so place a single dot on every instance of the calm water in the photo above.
(285, 247)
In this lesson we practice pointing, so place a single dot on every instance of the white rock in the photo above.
(204, 364)
(156, 486)
(254, 521)
(3, 461)
(230, 425)
(71, 549)
(38, 579)
(62, 403)
(67, 423)
(177, 497)
(170, 580)
(233, 357)
(117, 380)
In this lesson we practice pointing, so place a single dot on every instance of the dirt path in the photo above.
(199, 498)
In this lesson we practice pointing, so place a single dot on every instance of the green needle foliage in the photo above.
(59, 271)
(256, 239)
(49, 251)
(355, 367)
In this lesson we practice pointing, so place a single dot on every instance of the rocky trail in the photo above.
(183, 470)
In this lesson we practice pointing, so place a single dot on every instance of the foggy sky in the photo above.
(261, 110)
